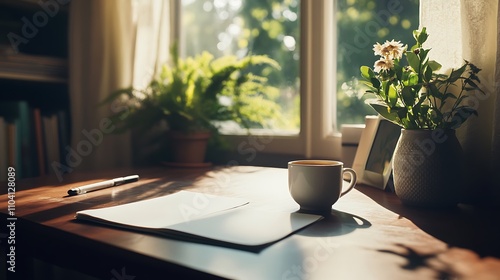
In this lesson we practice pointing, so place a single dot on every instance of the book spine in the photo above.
(34, 139)
(27, 154)
(9, 112)
(11, 145)
(51, 140)
(63, 132)
(3, 150)
(39, 140)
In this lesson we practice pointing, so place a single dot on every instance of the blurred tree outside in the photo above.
(242, 27)
(360, 24)
(272, 27)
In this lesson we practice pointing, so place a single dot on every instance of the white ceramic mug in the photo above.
(317, 184)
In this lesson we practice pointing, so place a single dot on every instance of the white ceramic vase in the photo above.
(428, 168)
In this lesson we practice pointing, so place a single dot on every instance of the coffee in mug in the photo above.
(317, 184)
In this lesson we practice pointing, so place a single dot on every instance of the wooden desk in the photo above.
(369, 234)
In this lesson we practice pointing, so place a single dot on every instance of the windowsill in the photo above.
(260, 132)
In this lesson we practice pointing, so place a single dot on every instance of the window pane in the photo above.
(242, 27)
(360, 24)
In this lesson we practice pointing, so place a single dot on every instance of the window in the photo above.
(242, 27)
(320, 45)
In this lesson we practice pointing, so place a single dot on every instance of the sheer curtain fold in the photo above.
(113, 44)
(461, 29)
(151, 42)
(496, 128)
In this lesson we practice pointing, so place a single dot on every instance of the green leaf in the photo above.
(428, 73)
(370, 86)
(375, 82)
(416, 33)
(424, 109)
(413, 60)
(393, 95)
(401, 112)
(384, 93)
(422, 36)
(436, 116)
(413, 79)
(384, 111)
(434, 91)
(434, 65)
(423, 55)
(408, 96)
(367, 72)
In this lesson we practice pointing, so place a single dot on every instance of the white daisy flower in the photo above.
(383, 64)
(392, 49)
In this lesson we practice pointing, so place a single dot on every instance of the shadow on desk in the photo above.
(335, 223)
(109, 197)
(464, 226)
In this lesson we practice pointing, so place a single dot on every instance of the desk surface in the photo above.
(369, 234)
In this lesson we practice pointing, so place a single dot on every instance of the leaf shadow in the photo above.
(416, 260)
(462, 226)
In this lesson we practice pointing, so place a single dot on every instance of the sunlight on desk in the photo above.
(369, 234)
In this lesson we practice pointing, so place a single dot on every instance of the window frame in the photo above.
(318, 80)
(318, 136)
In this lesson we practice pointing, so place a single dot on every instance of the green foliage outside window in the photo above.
(360, 24)
(260, 27)
(272, 27)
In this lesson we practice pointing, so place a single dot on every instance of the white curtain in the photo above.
(113, 44)
(462, 29)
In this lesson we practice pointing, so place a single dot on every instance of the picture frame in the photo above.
(373, 159)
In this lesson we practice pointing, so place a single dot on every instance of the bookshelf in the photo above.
(34, 100)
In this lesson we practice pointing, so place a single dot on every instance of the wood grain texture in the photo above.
(368, 235)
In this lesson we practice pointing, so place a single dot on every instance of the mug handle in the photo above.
(352, 183)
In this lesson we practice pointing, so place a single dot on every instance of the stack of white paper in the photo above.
(207, 217)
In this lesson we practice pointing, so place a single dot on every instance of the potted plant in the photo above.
(429, 106)
(194, 95)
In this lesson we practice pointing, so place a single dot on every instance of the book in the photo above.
(15, 114)
(25, 146)
(9, 113)
(31, 141)
(3, 150)
(11, 144)
(204, 218)
(63, 133)
(51, 140)
(39, 141)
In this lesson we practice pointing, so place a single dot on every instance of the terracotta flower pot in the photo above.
(188, 147)
(427, 168)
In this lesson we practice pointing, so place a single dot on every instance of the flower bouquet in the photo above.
(412, 93)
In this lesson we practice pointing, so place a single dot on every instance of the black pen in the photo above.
(104, 184)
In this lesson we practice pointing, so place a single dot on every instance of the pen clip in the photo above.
(125, 180)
